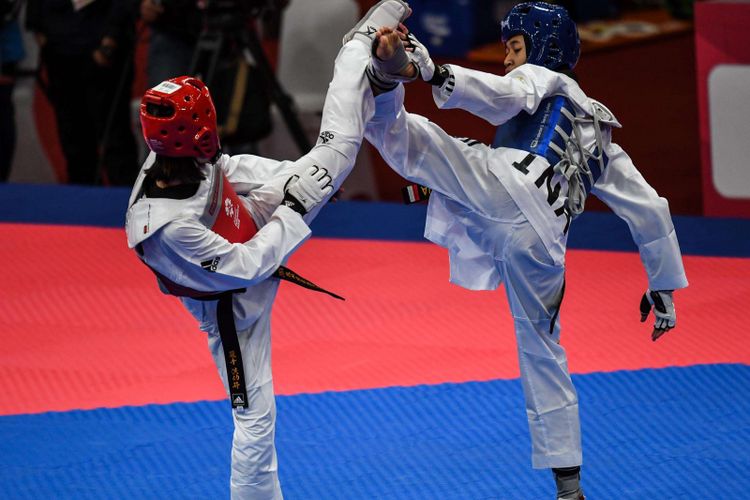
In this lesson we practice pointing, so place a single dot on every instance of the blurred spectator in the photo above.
(87, 49)
(175, 26)
(11, 52)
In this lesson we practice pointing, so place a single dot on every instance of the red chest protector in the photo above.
(227, 215)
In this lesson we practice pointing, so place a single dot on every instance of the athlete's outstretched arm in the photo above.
(495, 98)
(491, 97)
(628, 194)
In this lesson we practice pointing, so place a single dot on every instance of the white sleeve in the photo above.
(626, 192)
(247, 172)
(237, 264)
(261, 181)
(421, 151)
(496, 98)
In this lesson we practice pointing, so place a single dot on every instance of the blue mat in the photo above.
(96, 206)
(647, 434)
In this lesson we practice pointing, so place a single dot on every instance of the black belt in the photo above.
(286, 274)
(232, 352)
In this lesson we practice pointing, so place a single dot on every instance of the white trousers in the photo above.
(420, 151)
(534, 287)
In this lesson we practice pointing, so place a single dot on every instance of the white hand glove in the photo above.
(303, 192)
(420, 56)
(664, 311)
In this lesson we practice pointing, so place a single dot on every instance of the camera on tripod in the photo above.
(229, 58)
(222, 60)
(232, 13)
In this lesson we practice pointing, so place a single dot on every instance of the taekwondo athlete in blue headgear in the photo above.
(504, 211)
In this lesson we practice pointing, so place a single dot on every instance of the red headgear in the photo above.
(178, 118)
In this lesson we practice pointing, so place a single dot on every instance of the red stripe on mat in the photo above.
(84, 326)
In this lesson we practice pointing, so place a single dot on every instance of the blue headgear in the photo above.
(549, 30)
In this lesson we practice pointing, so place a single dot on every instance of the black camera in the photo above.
(229, 13)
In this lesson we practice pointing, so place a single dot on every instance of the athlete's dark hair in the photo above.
(568, 72)
(168, 168)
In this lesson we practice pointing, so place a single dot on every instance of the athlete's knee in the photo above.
(259, 419)
(254, 429)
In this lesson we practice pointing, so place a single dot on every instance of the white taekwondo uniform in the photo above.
(503, 213)
(175, 239)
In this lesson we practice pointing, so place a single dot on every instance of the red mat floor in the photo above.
(84, 325)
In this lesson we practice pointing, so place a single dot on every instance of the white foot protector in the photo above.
(384, 13)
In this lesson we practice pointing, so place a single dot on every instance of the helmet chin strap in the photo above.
(215, 157)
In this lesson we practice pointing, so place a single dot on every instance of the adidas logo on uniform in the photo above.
(211, 265)
(326, 136)
(238, 399)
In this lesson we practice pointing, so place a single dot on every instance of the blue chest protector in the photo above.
(549, 133)
(534, 133)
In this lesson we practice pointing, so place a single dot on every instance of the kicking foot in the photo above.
(389, 64)
(391, 57)
(388, 13)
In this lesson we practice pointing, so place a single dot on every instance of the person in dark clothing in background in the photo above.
(86, 49)
(11, 52)
(175, 26)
